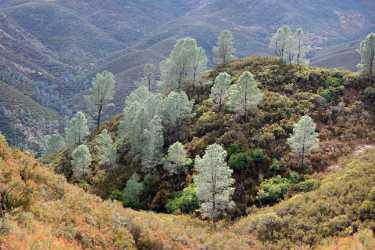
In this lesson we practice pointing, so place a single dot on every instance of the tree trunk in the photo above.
(213, 217)
(245, 105)
(371, 70)
(79, 136)
(299, 52)
(302, 156)
(99, 116)
(198, 93)
(2, 205)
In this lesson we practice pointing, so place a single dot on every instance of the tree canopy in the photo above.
(176, 107)
(176, 158)
(224, 49)
(214, 182)
(100, 94)
(367, 52)
(77, 129)
(81, 161)
(219, 90)
(106, 149)
(290, 45)
(183, 64)
(53, 144)
(304, 138)
(245, 95)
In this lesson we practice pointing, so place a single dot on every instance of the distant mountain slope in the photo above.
(24, 54)
(123, 35)
(86, 31)
(326, 23)
(29, 72)
(341, 56)
(23, 120)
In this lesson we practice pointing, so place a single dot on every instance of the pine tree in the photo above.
(141, 106)
(279, 41)
(245, 95)
(290, 46)
(176, 158)
(53, 144)
(133, 192)
(301, 49)
(219, 91)
(199, 62)
(106, 149)
(183, 64)
(367, 52)
(224, 49)
(81, 161)
(101, 94)
(77, 129)
(214, 182)
(304, 138)
(177, 107)
(141, 126)
(153, 146)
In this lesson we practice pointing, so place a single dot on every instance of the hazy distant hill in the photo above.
(22, 120)
(327, 23)
(340, 56)
(123, 35)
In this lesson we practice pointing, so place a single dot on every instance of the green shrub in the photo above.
(258, 155)
(294, 177)
(306, 186)
(276, 168)
(369, 94)
(273, 190)
(240, 161)
(233, 149)
(333, 82)
(367, 208)
(328, 94)
(131, 195)
(185, 201)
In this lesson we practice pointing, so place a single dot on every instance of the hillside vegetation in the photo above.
(40, 210)
(342, 206)
(257, 148)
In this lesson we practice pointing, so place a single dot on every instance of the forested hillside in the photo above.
(257, 147)
(52, 49)
(41, 210)
(187, 124)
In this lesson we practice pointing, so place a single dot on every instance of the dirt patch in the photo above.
(362, 149)
(358, 150)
